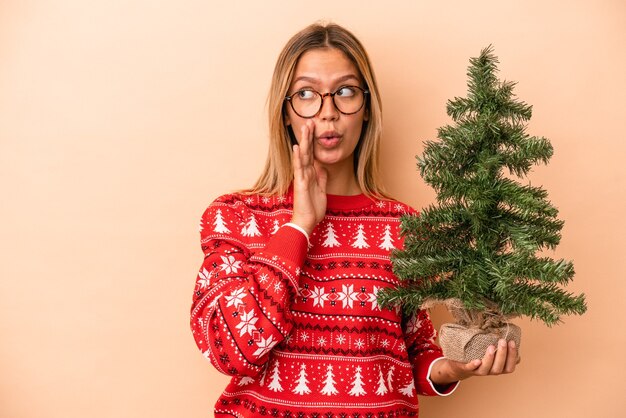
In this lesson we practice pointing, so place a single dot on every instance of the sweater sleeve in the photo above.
(241, 301)
(423, 353)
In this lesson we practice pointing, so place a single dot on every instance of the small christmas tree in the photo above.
(220, 225)
(275, 379)
(409, 389)
(302, 386)
(387, 241)
(331, 237)
(475, 251)
(329, 384)
(357, 383)
(251, 229)
(359, 238)
(382, 389)
(390, 377)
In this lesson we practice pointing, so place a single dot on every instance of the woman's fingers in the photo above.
(487, 361)
(306, 144)
(500, 359)
(512, 358)
(297, 161)
(321, 175)
(473, 365)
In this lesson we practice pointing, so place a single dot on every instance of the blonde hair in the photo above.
(278, 172)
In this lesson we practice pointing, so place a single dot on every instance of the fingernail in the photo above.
(491, 349)
(502, 343)
(512, 344)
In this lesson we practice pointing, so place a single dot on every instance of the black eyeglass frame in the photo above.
(332, 96)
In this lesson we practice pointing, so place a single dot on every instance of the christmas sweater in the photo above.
(294, 319)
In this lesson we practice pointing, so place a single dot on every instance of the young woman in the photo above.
(285, 301)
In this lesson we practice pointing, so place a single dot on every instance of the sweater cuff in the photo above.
(299, 228)
(285, 251)
(425, 386)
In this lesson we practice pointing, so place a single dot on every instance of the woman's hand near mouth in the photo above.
(309, 183)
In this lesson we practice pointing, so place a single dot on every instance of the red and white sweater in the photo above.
(297, 324)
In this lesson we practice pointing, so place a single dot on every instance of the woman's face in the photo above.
(335, 134)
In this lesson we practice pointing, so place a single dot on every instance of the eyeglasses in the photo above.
(307, 103)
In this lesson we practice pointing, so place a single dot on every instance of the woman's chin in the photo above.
(330, 162)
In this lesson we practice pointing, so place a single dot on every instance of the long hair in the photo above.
(278, 171)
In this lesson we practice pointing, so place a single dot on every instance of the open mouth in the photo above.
(329, 139)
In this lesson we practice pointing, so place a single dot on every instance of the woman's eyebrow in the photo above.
(316, 80)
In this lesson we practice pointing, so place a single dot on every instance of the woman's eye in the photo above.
(306, 94)
(345, 92)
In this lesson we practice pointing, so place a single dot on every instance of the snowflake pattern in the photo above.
(246, 326)
(318, 296)
(230, 265)
(347, 295)
(264, 345)
(236, 297)
(321, 341)
(340, 339)
(263, 278)
(359, 343)
(203, 278)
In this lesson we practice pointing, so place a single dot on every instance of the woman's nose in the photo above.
(328, 110)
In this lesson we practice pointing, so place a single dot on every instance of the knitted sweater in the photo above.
(297, 324)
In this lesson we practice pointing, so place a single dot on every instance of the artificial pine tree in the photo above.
(476, 250)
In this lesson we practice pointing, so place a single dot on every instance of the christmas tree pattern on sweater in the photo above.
(298, 326)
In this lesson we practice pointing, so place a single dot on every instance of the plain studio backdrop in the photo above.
(120, 121)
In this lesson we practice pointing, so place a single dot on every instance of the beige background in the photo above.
(121, 120)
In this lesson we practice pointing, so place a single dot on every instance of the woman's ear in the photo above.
(366, 114)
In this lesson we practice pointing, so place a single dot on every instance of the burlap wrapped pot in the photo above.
(465, 344)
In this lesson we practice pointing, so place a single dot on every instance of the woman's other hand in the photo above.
(500, 360)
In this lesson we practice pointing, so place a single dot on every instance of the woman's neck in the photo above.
(342, 180)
